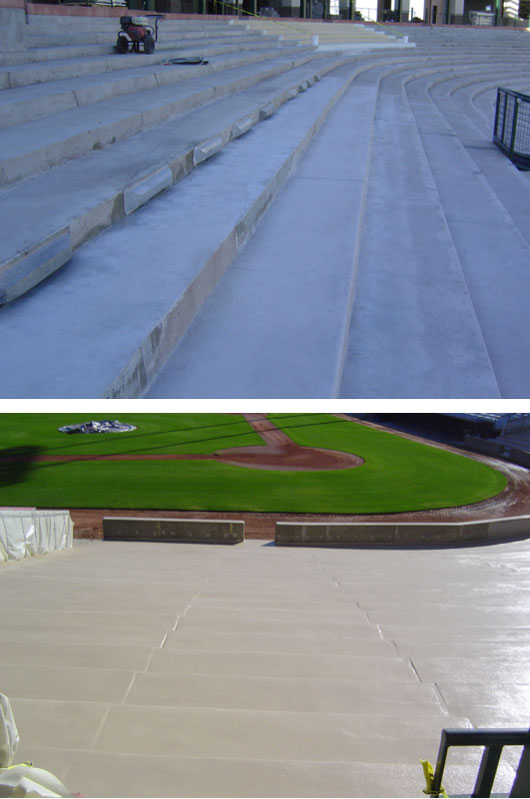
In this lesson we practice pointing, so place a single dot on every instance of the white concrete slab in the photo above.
(204, 713)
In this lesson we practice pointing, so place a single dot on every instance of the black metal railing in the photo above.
(511, 131)
(493, 742)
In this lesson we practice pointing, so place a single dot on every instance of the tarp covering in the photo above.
(24, 533)
(22, 779)
(104, 426)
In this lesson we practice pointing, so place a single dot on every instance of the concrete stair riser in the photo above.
(110, 121)
(495, 324)
(388, 380)
(108, 209)
(135, 378)
(25, 75)
(180, 161)
(144, 364)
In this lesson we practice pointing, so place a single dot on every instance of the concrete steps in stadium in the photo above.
(364, 276)
(193, 670)
(100, 102)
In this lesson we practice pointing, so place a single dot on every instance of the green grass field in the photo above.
(398, 474)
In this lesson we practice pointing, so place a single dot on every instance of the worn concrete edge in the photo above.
(144, 365)
(30, 267)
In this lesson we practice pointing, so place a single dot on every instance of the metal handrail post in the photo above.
(514, 124)
(487, 771)
(521, 783)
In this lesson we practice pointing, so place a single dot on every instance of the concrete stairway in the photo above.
(376, 272)
(195, 670)
(78, 99)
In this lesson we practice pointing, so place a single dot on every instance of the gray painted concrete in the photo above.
(142, 669)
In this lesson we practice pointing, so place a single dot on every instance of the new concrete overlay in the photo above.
(158, 669)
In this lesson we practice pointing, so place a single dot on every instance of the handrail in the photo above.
(511, 130)
(493, 741)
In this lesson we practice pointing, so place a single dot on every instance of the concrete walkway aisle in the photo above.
(186, 670)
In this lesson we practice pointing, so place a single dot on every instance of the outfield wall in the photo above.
(406, 533)
(24, 533)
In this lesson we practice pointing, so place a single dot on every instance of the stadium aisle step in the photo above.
(43, 143)
(475, 128)
(483, 231)
(260, 344)
(414, 331)
(182, 714)
(136, 167)
(162, 262)
(274, 327)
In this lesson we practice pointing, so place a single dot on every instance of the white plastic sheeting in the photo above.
(23, 779)
(34, 532)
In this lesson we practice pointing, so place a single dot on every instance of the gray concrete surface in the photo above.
(145, 669)
(129, 528)
(400, 534)
(415, 253)
(166, 299)
(392, 264)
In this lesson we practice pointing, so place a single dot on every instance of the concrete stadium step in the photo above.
(446, 347)
(83, 708)
(18, 75)
(327, 32)
(280, 322)
(487, 220)
(177, 42)
(473, 181)
(72, 37)
(280, 312)
(44, 100)
(382, 349)
(190, 258)
(127, 174)
(45, 142)
(68, 34)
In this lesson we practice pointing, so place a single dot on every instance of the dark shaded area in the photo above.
(434, 426)
(16, 463)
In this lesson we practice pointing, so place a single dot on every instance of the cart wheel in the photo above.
(122, 45)
(149, 44)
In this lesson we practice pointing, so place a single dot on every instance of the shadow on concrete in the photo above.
(16, 463)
